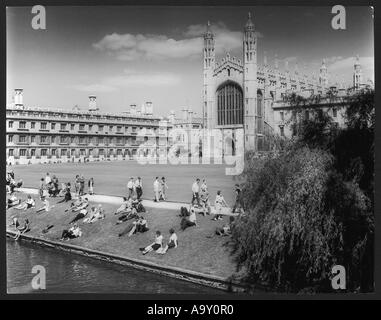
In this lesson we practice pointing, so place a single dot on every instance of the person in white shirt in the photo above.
(219, 203)
(157, 244)
(29, 203)
(156, 189)
(139, 187)
(164, 187)
(46, 207)
(130, 188)
(47, 179)
(172, 242)
(196, 192)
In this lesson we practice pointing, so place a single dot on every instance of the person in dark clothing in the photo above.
(79, 216)
(238, 199)
(67, 196)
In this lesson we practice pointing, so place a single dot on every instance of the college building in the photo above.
(238, 93)
(38, 135)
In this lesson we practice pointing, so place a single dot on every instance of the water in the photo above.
(69, 273)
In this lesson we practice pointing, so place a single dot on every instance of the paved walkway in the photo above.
(119, 200)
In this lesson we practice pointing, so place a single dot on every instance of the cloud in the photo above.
(131, 79)
(367, 64)
(94, 88)
(130, 47)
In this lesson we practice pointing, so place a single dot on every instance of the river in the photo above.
(70, 273)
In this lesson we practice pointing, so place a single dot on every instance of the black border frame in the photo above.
(190, 297)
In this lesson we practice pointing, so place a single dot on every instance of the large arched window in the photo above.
(229, 104)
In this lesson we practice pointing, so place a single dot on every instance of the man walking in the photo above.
(156, 189)
(139, 187)
(196, 191)
(130, 188)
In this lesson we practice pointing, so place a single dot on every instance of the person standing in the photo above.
(41, 188)
(156, 189)
(77, 185)
(139, 187)
(196, 192)
(47, 178)
(238, 199)
(91, 186)
(218, 204)
(81, 185)
(130, 188)
(164, 187)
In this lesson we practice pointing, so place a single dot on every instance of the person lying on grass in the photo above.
(95, 215)
(125, 207)
(172, 242)
(73, 232)
(190, 221)
(12, 201)
(23, 229)
(29, 203)
(79, 216)
(79, 205)
(157, 244)
(46, 207)
(138, 225)
(131, 214)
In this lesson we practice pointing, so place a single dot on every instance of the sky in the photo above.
(128, 55)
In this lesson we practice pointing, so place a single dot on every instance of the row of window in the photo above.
(306, 114)
(71, 152)
(80, 140)
(65, 126)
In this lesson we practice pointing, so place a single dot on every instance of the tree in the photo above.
(312, 206)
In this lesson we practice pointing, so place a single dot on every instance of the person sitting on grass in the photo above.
(172, 242)
(82, 213)
(157, 244)
(21, 230)
(184, 212)
(46, 207)
(29, 203)
(15, 222)
(125, 207)
(78, 206)
(219, 203)
(72, 233)
(139, 223)
(66, 193)
(225, 230)
(62, 192)
(13, 185)
(13, 201)
(95, 215)
(190, 221)
(131, 214)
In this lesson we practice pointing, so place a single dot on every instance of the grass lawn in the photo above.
(111, 177)
(196, 251)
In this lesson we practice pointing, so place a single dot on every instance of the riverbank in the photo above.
(201, 257)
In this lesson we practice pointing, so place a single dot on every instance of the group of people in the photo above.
(158, 245)
(11, 183)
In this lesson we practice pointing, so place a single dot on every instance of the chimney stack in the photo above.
(133, 109)
(149, 108)
(18, 98)
(93, 103)
(185, 114)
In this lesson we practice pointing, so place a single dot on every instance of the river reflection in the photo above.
(68, 273)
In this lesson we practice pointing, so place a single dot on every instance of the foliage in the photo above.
(312, 206)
